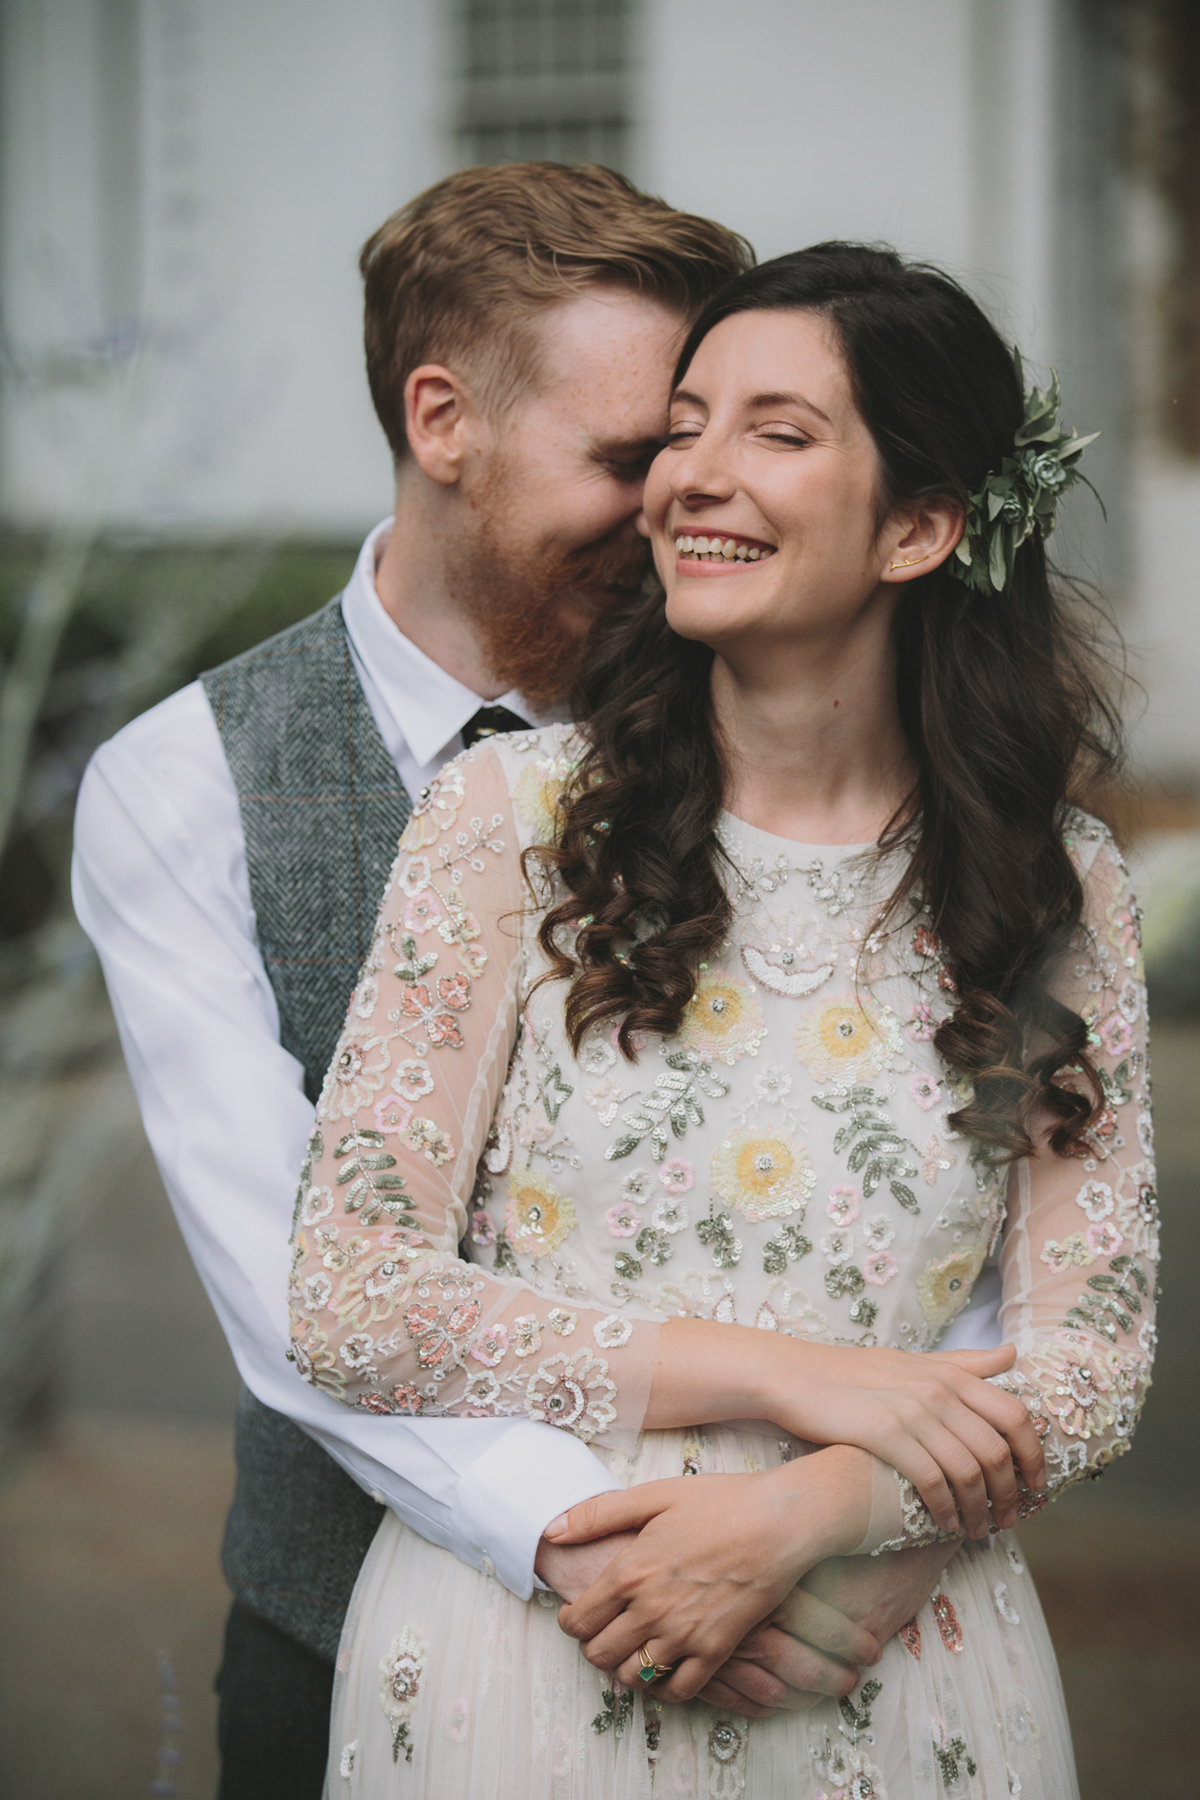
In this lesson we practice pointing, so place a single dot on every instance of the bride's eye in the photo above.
(683, 433)
(784, 434)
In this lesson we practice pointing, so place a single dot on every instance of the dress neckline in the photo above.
(752, 833)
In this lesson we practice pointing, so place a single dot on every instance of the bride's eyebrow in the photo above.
(782, 399)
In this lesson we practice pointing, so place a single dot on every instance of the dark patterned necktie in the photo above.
(488, 721)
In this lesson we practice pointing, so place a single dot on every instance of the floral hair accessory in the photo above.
(1024, 496)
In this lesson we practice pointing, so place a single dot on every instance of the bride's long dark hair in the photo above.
(1002, 701)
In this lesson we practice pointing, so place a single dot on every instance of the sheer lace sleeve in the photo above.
(1080, 1245)
(385, 1314)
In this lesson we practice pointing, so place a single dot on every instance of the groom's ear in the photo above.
(444, 422)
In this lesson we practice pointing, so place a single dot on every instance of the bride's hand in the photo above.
(714, 1556)
(933, 1417)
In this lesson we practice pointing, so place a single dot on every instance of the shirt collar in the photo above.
(429, 706)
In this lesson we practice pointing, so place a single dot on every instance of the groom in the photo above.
(232, 846)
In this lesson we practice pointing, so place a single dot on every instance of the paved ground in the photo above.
(110, 1525)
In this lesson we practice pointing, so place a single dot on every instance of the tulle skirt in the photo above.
(450, 1688)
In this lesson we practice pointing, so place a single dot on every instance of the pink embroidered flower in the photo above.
(623, 1220)
(603, 1096)
(420, 1004)
(1104, 1239)
(921, 1023)
(947, 1623)
(925, 1091)
(677, 1176)
(490, 1346)
(843, 1205)
(924, 942)
(1116, 1034)
(421, 911)
(910, 1637)
(879, 1268)
(408, 1399)
(392, 1114)
(463, 1318)
(637, 1041)
(483, 1229)
(454, 991)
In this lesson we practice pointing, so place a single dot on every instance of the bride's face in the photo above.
(770, 465)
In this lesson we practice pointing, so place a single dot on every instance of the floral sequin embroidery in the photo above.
(400, 1673)
(947, 1623)
(355, 1076)
(537, 1218)
(763, 1175)
(944, 1286)
(722, 1021)
(574, 1393)
(847, 1039)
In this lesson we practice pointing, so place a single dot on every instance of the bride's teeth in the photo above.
(753, 554)
(701, 546)
(729, 550)
(742, 552)
(688, 545)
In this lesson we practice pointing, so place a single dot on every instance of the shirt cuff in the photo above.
(497, 1526)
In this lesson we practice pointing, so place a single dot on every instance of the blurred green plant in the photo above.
(93, 631)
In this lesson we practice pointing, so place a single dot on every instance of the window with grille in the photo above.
(544, 79)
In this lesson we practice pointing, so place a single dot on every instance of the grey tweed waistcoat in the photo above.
(322, 808)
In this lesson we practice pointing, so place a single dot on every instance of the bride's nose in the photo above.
(701, 475)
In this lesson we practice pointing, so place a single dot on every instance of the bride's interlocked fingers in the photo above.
(692, 1589)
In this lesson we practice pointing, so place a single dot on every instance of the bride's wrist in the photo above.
(834, 1485)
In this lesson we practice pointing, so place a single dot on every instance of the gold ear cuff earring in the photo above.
(909, 562)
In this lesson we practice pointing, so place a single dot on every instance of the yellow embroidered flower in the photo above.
(944, 1287)
(436, 810)
(537, 1218)
(722, 1020)
(847, 1039)
(538, 791)
(765, 1175)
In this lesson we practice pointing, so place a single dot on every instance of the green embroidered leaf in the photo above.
(355, 1140)
(506, 1262)
(905, 1196)
(623, 1147)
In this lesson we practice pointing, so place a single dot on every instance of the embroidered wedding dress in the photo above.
(785, 1161)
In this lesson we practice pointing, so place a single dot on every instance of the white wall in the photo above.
(275, 137)
(796, 120)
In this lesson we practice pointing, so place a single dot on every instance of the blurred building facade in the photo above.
(185, 184)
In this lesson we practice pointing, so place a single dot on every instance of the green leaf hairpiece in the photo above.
(1023, 497)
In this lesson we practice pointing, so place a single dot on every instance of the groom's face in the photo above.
(556, 500)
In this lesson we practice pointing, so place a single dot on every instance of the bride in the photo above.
(731, 1029)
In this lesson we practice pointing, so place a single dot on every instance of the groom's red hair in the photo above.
(460, 275)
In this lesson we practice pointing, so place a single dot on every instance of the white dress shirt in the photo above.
(161, 888)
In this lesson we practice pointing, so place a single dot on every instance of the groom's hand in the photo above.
(570, 1569)
(812, 1644)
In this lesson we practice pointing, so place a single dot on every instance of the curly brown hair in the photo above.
(1003, 704)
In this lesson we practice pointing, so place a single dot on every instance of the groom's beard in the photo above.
(528, 608)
